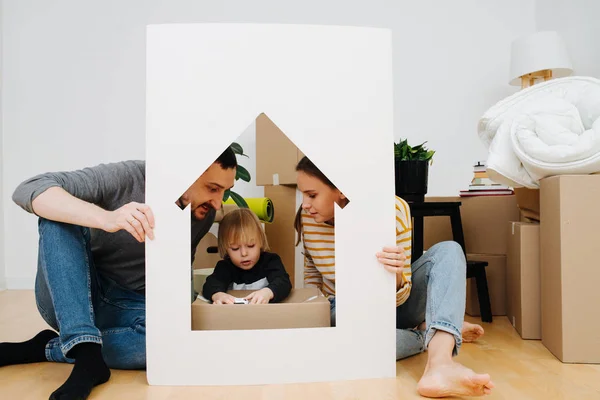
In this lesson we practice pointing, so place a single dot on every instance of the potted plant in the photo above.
(241, 173)
(412, 170)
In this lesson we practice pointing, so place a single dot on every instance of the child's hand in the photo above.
(222, 298)
(262, 296)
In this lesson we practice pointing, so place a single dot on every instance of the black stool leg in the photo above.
(485, 307)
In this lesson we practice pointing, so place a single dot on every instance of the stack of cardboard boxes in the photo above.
(523, 285)
(485, 226)
(553, 267)
(276, 159)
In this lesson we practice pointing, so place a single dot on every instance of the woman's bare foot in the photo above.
(453, 379)
(471, 332)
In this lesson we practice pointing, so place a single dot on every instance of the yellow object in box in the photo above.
(261, 206)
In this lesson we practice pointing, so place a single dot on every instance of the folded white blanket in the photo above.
(549, 129)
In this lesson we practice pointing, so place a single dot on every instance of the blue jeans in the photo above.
(83, 305)
(437, 297)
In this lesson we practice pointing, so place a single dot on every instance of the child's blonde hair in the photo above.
(240, 226)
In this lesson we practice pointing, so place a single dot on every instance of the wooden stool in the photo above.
(475, 269)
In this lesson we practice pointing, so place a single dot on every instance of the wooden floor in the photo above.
(520, 369)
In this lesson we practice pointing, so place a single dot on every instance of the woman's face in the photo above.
(318, 198)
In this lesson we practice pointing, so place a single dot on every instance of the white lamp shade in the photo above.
(537, 52)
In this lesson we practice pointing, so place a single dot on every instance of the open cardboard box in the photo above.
(303, 308)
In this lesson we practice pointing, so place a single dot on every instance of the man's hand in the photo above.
(222, 298)
(262, 296)
(135, 218)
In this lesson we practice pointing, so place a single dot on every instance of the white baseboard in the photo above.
(19, 283)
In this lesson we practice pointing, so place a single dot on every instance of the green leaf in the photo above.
(237, 148)
(226, 195)
(239, 200)
(242, 173)
(403, 151)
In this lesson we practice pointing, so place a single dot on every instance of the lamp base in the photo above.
(529, 79)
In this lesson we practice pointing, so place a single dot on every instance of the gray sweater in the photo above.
(116, 255)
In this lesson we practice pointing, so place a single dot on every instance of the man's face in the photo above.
(207, 191)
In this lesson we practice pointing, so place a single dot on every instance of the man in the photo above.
(90, 282)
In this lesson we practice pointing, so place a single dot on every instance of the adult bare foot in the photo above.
(471, 332)
(453, 379)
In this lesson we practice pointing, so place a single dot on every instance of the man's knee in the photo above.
(49, 227)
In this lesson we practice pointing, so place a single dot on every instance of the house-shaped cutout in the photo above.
(205, 83)
(276, 160)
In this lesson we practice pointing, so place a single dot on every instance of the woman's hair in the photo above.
(307, 166)
(240, 226)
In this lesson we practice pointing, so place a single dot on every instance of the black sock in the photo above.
(31, 351)
(89, 371)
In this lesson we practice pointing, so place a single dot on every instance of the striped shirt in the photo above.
(319, 252)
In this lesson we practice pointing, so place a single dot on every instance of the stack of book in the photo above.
(482, 185)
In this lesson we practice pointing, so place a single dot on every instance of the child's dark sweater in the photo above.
(268, 272)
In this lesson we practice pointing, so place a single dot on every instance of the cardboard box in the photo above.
(200, 276)
(484, 220)
(523, 301)
(281, 233)
(304, 308)
(204, 257)
(570, 275)
(529, 216)
(276, 155)
(496, 280)
(528, 199)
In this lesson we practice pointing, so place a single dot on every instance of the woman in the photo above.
(430, 295)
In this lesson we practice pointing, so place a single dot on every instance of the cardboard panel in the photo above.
(204, 259)
(276, 155)
(528, 199)
(201, 93)
(523, 299)
(280, 233)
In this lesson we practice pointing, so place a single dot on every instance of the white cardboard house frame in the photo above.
(330, 90)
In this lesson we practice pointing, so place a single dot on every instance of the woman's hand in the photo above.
(262, 296)
(222, 298)
(393, 259)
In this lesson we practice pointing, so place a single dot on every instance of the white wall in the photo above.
(74, 81)
(577, 23)
(2, 267)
